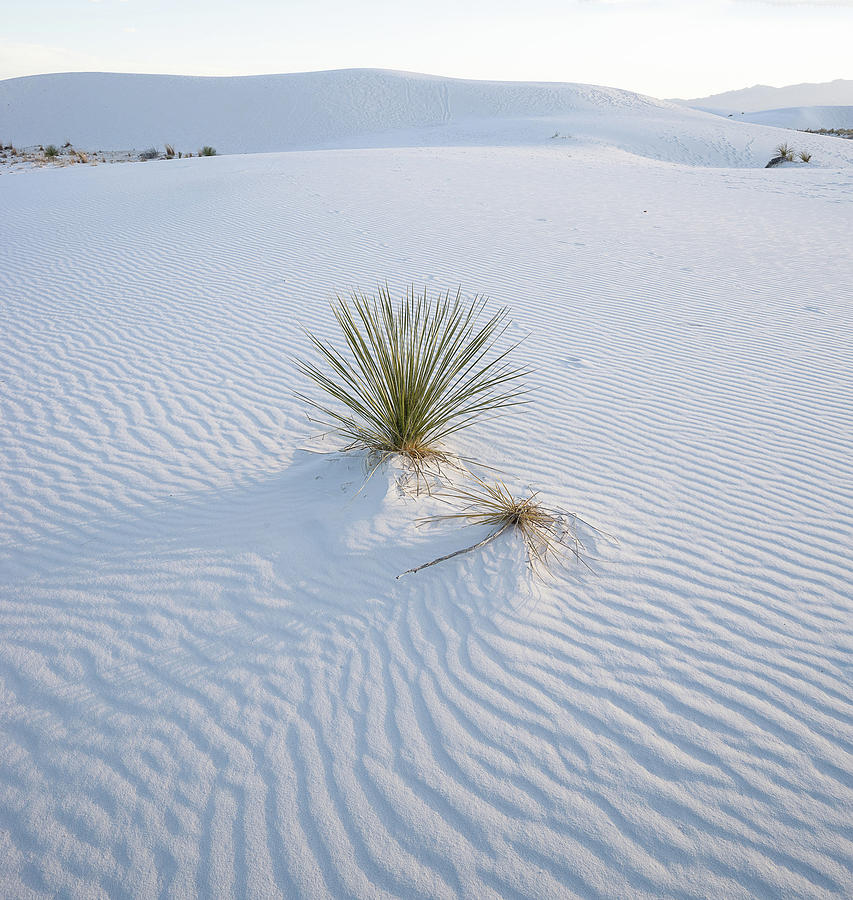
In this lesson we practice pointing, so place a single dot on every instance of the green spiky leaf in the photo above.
(410, 374)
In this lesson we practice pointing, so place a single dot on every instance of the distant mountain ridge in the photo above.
(763, 97)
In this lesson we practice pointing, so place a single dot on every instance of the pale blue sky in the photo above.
(660, 47)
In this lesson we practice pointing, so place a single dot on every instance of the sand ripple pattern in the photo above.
(210, 683)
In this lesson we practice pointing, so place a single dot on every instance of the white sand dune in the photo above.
(365, 108)
(211, 683)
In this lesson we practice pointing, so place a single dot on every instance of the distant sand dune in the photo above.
(800, 117)
(363, 108)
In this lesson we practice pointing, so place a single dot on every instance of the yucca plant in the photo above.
(545, 531)
(786, 152)
(412, 373)
(805, 156)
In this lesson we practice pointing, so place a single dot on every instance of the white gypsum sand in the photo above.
(370, 108)
(211, 683)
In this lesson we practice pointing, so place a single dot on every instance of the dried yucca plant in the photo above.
(547, 533)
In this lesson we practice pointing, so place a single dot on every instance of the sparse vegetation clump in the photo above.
(410, 374)
(207, 151)
(40, 155)
(833, 132)
(785, 151)
(170, 151)
(150, 153)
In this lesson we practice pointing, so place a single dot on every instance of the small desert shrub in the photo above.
(805, 156)
(412, 373)
(786, 152)
(81, 156)
(207, 151)
(170, 151)
(150, 153)
(546, 532)
(51, 152)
